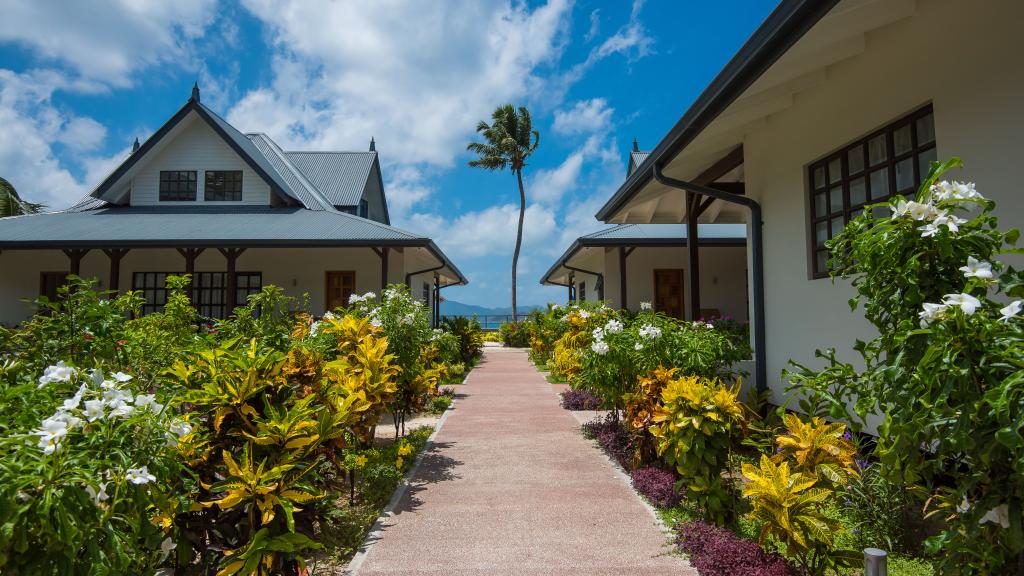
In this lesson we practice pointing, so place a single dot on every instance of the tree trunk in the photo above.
(519, 241)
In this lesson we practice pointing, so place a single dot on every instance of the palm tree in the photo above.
(11, 204)
(510, 139)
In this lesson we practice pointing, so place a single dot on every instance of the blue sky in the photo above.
(80, 80)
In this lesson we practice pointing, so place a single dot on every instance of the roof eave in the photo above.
(790, 20)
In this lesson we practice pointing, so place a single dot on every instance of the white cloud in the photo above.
(490, 232)
(81, 134)
(595, 25)
(417, 76)
(631, 41)
(586, 116)
(549, 186)
(105, 41)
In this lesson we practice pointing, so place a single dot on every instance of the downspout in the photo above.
(600, 278)
(760, 358)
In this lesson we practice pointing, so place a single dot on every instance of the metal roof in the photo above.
(790, 20)
(651, 235)
(196, 226)
(639, 233)
(307, 193)
(340, 176)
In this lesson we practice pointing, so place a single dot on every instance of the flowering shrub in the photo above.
(715, 551)
(469, 335)
(945, 369)
(573, 399)
(88, 458)
(696, 426)
(657, 485)
(515, 335)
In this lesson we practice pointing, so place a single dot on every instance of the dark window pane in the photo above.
(905, 175)
(879, 184)
(835, 170)
(855, 159)
(925, 129)
(177, 185)
(821, 260)
(821, 233)
(223, 186)
(877, 150)
(835, 199)
(837, 225)
(924, 161)
(855, 213)
(858, 191)
(901, 139)
(819, 177)
(820, 205)
(880, 211)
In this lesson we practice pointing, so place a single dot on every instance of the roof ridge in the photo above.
(313, 190)
(329, 151)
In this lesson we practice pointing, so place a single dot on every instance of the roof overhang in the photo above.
(585, 251)
(787, 54)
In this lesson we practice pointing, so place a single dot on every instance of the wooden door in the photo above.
(50, 282)
(340, 286)
(668, 292)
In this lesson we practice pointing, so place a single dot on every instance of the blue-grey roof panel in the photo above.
(256, 226)
(310, 197)
(627, 232)
(340, 176)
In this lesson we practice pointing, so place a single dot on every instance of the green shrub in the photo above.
(515, 335)
(945, 370)
(469, 334)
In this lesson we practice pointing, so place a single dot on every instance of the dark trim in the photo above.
(380, 182)
(693, 203)
(249, 243)
(600, 278)
(776, 35)
(408, 277)
(757, 261)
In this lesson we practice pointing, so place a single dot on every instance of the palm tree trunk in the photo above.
(519, 241)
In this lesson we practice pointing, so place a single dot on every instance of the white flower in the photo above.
(645, 305)
(409, 319)
(966, 302)
(180, 428)
(900, 210)
(113, 397)
(73, 402)
(70, 419)
(613, 327)
(355, 299)
(599, 347)
(955, 191)
(50, 435)
(649, 332)
(121, 409)
(931, 313)
(139, 475)
(919, 211)
(329, 316)
(710, 325)
(998, 515)
(598, 334)
(1011, 310)
(977, 269)
(584, 314)
(122, 377)
(314, 328)
(638, 347)
(374, 321)
(60, 372)
(166, 546)
(93, 410)
(148, 402)
(98, 496)
(928, 230)
(96, 375)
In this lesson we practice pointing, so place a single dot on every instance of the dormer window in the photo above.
(177, 185)
(364, 209)
(223, 186)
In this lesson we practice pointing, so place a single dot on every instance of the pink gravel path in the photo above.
(509, 486)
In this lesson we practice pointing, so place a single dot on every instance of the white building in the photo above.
(828, 106)
(232, 209)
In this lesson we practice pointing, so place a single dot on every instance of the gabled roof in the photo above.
(652, 236)
(235, 139)
(307, 192)
(339, 176)
(636, 158)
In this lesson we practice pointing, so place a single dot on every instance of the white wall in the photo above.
(296, 270)
(196, 147)
(723, 280)
(964, 58)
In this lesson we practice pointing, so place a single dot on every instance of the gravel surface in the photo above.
(509, 486)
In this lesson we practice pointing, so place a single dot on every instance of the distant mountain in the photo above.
(454, 308)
